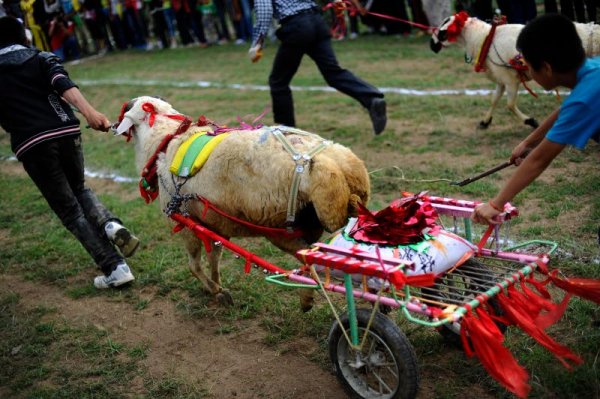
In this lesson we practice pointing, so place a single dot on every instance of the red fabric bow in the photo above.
(456, 26)
(401, 223)
(149, 108)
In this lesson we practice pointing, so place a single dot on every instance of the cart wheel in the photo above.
(456, 286)
(385, 367)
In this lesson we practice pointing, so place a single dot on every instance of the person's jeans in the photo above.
(56, 168)
(307, 33)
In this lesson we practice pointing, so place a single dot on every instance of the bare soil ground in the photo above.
(234, 365)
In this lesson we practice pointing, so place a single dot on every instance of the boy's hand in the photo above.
(98, 121)
(485, 214)
(520, 152)
(255, 53)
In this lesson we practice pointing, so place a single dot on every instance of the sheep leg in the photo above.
(194, 249)
(487, 119)
(214, 256)
(512, 92)
(307, 299)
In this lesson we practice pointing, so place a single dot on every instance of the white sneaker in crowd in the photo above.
(122, 238)
(121, 275)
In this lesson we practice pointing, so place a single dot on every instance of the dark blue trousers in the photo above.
(307, 33)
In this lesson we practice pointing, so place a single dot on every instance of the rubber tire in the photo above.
(388, 337)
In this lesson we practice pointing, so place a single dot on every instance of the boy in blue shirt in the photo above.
(555, 56)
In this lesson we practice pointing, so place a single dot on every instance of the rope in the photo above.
(402, 178)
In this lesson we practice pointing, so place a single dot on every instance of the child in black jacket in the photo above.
(45, 137)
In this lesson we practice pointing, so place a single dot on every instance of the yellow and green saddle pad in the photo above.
(194, 152)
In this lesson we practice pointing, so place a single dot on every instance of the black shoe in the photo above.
(378, 115)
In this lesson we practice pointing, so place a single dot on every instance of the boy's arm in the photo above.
(535, 163)
(95, 119)
(532, 141)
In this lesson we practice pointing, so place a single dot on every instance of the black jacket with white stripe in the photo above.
(31, 107)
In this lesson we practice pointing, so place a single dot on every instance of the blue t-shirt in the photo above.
(578, 120)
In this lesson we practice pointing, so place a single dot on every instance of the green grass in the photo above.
(430, 141)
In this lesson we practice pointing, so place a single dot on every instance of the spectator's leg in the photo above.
(550, 6)
(293, 35)
(337, 77)
(566, 9)
(579, 10)
(590, 6)
(220, 5)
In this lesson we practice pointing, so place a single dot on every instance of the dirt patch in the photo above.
(232, 365)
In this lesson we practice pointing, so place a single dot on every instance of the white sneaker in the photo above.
(122, 238)
(121, 275)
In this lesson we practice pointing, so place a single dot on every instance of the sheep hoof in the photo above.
(485, 124)
(532, 122)
(224, 298)
(307, 299)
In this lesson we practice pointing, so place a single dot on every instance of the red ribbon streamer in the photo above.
(481, 337)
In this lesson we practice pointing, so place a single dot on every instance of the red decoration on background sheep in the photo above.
(456, 26)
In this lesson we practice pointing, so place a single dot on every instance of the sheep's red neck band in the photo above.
(487, 43)
(456, 27)
(149, 181)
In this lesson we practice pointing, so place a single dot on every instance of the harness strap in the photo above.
(301, 161)
(263, 230)
(149, 181)
(487, 43)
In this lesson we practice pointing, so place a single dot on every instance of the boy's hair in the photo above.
(551, 38)
(12, 32)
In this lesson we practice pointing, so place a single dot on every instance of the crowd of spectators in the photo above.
(72, 28)
(75, 28)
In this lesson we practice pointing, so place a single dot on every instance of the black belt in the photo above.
(314, 10)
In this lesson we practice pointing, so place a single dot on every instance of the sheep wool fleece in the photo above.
(578, 121)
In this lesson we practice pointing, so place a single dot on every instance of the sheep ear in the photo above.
(329, 193)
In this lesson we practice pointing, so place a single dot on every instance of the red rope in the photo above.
(487, 43)
(353, 10)
(149, 182)
(426, 27)
(263, 230)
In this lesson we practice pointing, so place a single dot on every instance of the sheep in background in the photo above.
(470, 33)
(248, 175)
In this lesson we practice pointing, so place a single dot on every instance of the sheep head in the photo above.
(449, 31)
(139, 119)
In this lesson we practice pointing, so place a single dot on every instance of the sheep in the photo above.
(503, 49)
(248, 175)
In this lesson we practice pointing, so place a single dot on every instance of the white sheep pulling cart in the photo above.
(401, 257)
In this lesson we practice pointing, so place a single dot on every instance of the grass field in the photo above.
(430, 140)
